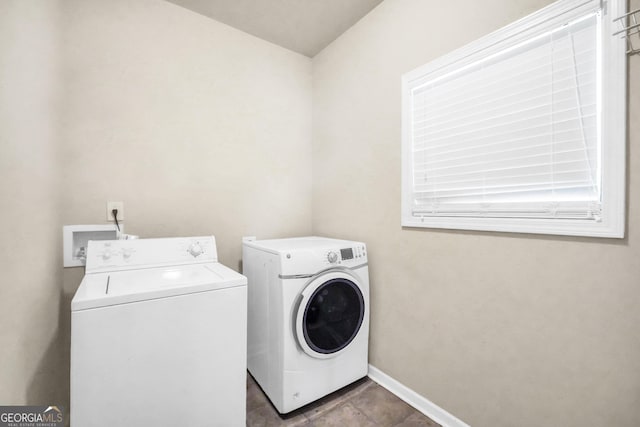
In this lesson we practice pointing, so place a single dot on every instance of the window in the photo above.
(523, 130)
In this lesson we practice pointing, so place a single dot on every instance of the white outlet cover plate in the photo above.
(115, 205)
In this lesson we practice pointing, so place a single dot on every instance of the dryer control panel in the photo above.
(347, 256)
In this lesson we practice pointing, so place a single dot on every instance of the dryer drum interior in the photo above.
(333, 316)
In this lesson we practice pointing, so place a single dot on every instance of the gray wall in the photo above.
(499, 329)
(30, 244)
(197, 127)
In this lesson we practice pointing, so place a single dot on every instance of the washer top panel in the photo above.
(126, 271)
(310, 255)
(283, 246)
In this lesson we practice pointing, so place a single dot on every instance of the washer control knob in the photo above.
(332, 257)
(195, 249)
(126, 253)
(106, 255)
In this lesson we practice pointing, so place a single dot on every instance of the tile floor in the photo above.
(363, 403)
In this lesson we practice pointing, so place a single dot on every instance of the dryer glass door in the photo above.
(333, 315)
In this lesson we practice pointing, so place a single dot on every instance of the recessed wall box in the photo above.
(75, 238)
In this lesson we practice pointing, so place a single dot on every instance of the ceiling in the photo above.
(304, 26)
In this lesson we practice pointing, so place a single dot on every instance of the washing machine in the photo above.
(158, 336)
(308, 317)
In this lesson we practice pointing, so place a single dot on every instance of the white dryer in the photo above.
(158, 336)
(308, 316)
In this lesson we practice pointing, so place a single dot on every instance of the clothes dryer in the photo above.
(308, 316)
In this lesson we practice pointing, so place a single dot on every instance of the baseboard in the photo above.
(422, 404)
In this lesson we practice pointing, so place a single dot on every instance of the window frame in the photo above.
(613, 103)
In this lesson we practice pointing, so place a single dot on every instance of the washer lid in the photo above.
(121, 287)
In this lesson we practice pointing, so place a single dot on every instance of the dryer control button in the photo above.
(332, 257)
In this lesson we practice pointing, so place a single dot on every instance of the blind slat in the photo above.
(499, 148)
(537, 77)
(503, 101)
(539, 151)
(509, 128)
(563, 112)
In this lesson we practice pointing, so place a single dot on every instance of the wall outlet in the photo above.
(115, 205)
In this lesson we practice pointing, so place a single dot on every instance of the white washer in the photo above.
(158, 336)
(308, 330)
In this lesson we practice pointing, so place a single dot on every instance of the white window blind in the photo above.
(515, 134)
(513, 127)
